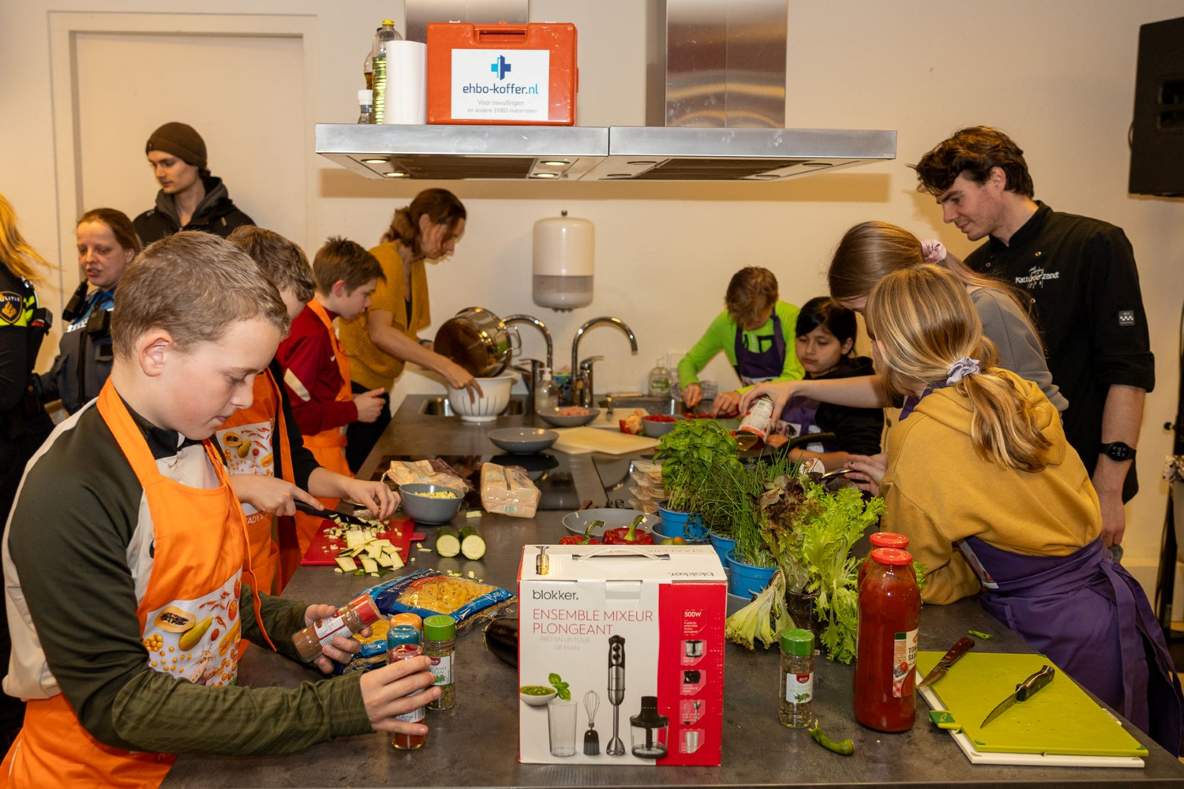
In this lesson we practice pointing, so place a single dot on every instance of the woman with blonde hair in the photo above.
(982, 480)
(384, 338)
(24, 424)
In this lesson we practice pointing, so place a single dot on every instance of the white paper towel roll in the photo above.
(406, 80)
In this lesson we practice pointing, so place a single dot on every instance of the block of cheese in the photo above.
(507, 490)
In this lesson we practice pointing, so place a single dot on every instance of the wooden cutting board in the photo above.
(1060, 719)
(585, 440)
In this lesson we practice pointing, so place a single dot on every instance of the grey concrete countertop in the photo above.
(475, 744)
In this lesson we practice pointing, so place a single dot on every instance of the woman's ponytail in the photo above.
(440, 206)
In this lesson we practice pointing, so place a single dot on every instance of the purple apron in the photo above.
(756, 366)
(1086, 613)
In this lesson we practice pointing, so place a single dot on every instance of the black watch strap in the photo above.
(1118, 450)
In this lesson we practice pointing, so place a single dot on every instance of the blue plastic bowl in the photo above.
(745, 580)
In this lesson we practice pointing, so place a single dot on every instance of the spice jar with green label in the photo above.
(439, 644)
(796, 699)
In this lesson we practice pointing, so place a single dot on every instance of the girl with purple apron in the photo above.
(1086, 613)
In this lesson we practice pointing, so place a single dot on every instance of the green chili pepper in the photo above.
(980, 634)
(841, 747)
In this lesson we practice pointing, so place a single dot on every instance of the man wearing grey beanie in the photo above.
(190, 198)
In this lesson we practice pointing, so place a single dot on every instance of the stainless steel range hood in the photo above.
(716, 79)
(584, 153)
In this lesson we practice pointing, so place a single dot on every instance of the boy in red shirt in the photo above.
(316, 370)
(269, 465)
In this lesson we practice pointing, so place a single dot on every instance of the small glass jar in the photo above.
(403, 644)
(411, 620)
(439, 644)
(356, 616)
(795, 702)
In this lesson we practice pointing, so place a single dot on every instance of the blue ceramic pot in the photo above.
(746, 580)
(723, 546)
(682, 524)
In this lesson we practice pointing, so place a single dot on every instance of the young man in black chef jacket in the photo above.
(1081, 276)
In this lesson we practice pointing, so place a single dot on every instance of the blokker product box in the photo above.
(621, 654)
(502, 74)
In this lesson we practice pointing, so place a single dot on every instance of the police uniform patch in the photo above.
(1126, 317)
(11, 307)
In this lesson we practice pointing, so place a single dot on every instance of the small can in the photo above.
(759, 418)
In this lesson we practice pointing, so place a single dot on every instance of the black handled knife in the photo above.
(1023, 691)
(960, 648)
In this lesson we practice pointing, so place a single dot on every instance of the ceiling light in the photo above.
(395, 174)
(555, 162)
(544, 175)
(374, 161)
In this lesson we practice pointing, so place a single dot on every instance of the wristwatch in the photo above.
(1117, 450)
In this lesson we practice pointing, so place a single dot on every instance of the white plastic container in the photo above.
(564, 262)
(486, 407)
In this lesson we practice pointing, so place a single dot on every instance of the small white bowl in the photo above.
(494, 399)
(536, 701)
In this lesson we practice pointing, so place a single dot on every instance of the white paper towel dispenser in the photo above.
(564, 260)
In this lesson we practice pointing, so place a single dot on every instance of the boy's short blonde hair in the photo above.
(193, 285)
(347, 261)
(280, 260)
(751, 291)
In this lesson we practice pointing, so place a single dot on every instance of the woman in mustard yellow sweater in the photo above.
(992, 497)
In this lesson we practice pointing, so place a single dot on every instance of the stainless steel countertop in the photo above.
(475, 744)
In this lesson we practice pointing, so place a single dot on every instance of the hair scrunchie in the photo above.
(962, 368)
(933, 251)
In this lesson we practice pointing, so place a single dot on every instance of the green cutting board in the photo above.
(1060, 719)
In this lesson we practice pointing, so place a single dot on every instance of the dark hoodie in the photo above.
(216, 214)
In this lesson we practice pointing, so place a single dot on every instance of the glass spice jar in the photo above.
(795, 702)
(403, 643)
(412, 620)
(439, 643)
(354, 617)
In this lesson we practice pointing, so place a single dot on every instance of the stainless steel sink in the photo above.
(654, 405)
(439, 406)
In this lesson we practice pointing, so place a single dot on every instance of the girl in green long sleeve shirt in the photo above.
(755, 332)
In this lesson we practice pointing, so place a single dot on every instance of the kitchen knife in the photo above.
(960, 648)
(1023, 691)
(333, 515)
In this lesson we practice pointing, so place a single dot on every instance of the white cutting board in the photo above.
(585, 440)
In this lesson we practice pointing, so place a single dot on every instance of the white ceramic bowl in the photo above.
(495, 398)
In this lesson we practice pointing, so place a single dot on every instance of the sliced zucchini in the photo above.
(369, 565)
(472, 544)
(447, 542)
(346, 564)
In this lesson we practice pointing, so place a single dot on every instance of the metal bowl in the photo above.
(614, 518)
(429, 510)
(477, 340)
(523, 440)
(559, 420)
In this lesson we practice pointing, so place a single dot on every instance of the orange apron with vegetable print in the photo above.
(190, 604)
(327, 446)
(246, 440)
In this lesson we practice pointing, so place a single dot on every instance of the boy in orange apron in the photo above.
(316, 370)
(127, 656)
(269, 465)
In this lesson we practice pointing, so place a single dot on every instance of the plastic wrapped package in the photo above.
(507, 490)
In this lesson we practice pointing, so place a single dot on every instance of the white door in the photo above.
(243, 93)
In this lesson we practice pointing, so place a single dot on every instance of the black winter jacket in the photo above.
(216, 214)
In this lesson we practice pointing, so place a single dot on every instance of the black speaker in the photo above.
(1157, 134)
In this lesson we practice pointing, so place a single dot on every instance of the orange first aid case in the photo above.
(502, 74)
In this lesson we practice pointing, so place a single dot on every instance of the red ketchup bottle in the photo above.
(886, 655)
(882, 539)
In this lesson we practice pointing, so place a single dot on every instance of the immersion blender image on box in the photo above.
(606, 634)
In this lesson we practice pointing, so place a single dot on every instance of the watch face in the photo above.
(1118, 451)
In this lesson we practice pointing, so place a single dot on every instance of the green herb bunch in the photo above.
(693, 455)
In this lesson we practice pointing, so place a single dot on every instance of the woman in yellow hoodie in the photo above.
(982, 480)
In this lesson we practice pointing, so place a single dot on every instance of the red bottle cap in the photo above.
(889, 539)
(366, 609)
(892, 557)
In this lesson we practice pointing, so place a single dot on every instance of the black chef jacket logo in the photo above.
(11, 305)
(1036, 277)
(1126, 317)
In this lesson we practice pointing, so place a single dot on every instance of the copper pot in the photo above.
(478, 341)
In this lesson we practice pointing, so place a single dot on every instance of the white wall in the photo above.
(1057, 75)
